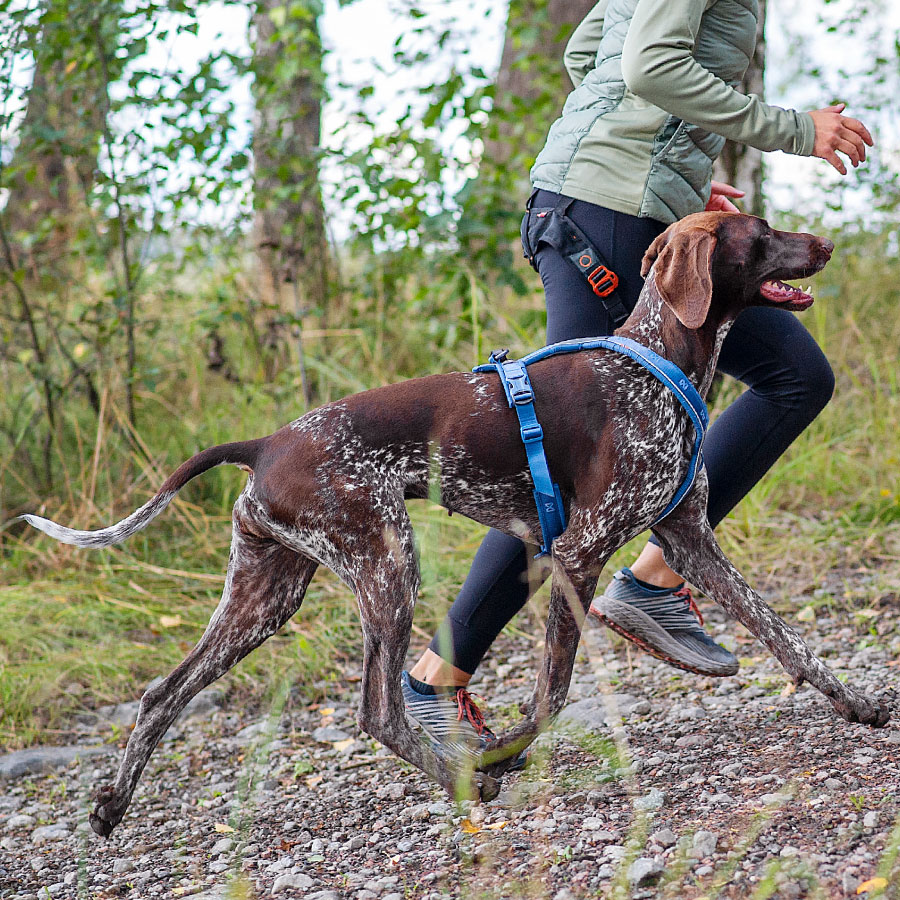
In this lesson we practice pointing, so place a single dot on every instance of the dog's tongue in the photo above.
(779, 292)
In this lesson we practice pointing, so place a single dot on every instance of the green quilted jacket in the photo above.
(654, 101)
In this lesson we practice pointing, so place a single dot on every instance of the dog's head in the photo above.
(733, 261)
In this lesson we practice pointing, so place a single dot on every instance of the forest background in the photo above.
(214, 216)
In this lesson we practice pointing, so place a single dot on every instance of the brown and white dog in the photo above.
(329, 489)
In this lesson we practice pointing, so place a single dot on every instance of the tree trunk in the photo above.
(55, 161)
(288, 90)
(740, 165)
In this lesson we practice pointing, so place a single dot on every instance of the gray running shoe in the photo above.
(452, 721)
(664, 622)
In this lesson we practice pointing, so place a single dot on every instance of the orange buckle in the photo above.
(603, 281)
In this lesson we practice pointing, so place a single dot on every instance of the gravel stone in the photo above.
(46, 833)
(704, 843)
(653, 799)
(644, 870)
(665, 837)
(292, 881)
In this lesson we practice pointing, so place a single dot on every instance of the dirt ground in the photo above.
(654, 783)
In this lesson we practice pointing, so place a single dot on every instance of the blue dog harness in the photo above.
(520, 396)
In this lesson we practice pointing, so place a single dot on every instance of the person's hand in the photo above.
(836, 132)
(718, 198)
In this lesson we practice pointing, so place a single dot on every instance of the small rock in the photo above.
(605, 871)
(870, 819)
(832, 784)
(591, 823)
(204, 704)
(290, 880)
(221, 847)
(20, 821)
(357, 842)
(644, 870)
(323, 895)
(704, 843)
(788, 851)
(849, 883)
(46, 833)
(42, 759)
(328, 734)
(245, 735)
(703, 871)
(653, 799)
(564, 894)
(692, 741)
(665, 837)
(122, 865)
(394, 791)
(775, 799)
(317, 846)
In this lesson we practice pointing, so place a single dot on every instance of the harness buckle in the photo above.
(531, 433)
(499, 355)
(519, 388)
(603, 281)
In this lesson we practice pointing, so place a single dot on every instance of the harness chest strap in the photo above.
(520, 396)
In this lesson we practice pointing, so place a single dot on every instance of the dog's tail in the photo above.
(240, 453)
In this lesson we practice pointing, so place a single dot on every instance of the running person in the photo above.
(634, 147)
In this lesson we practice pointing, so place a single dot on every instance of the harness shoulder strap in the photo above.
(520, 396)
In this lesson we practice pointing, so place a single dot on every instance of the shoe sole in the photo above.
(643, 630)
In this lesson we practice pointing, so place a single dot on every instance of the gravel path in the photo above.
(654, 784)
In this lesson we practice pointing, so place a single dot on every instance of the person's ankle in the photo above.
(652, 586)
(433, 670)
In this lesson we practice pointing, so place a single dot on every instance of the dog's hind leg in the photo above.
(690, 548)
(264, 587)
(570, 595)
(386, 583)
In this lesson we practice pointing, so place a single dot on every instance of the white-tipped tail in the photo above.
(105, 537)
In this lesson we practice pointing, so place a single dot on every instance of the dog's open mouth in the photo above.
(786, 295)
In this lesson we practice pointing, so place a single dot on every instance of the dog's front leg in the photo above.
(690, 548)
(570, 596)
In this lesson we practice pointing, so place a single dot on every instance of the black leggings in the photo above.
(788, 378)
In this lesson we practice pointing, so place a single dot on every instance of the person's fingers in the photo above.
(849, 150)
(859, 128)
(727, 190)
(728, 206)
(835, 160)
(848, 137)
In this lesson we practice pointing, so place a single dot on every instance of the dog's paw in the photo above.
(864, 710)
(108, 811)
(488, 786)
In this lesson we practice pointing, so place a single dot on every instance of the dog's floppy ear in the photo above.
(683, 275)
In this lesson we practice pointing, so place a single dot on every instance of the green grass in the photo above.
(81, 628)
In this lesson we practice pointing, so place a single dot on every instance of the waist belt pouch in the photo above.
(542, 225)
(550, 225)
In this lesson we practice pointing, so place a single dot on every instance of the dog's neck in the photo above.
(694, 351)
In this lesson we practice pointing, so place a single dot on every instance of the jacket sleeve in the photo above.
(658, 65)
(581, 51)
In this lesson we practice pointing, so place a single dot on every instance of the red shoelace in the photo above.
(469, 709)
(686, 595)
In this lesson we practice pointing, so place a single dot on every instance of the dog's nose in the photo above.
(827, 246)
